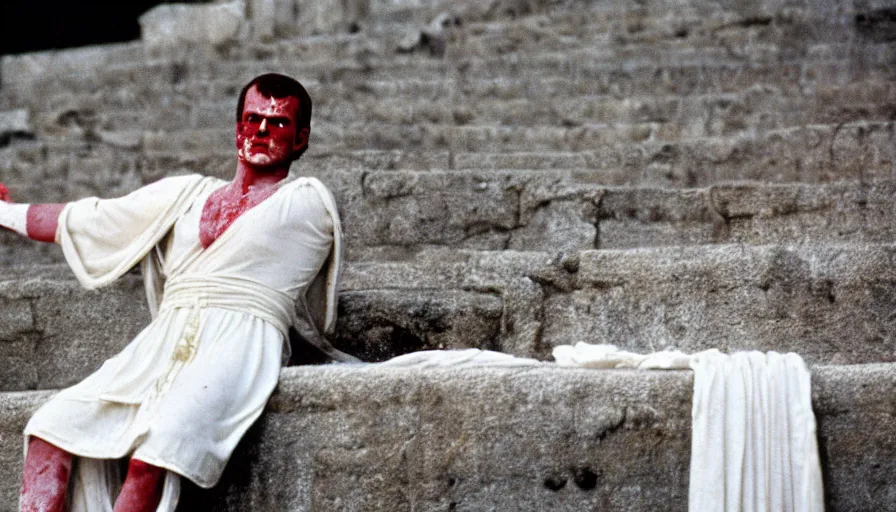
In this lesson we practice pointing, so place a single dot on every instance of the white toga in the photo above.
(186, 389)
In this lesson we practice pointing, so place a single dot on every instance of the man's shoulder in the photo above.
(311, 187)
(304, 181)
(309, 192)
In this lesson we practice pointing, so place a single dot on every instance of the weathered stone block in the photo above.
(15, 122)
(380, 324)
(175, 24)
(349, 438)
(822, 302)
(60, 332)
(263, 14)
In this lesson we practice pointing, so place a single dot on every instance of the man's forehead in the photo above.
(258, 103)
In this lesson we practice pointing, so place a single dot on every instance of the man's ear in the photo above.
(301, 139)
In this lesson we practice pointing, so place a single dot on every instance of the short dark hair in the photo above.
(275, 85)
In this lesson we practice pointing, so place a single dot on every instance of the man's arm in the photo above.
(42, 220)
(36, 221)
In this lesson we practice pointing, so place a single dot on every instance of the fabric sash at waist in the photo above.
(239, 295)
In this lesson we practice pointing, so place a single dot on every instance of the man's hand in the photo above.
(36, 221)
(4, 193)
(43, 219)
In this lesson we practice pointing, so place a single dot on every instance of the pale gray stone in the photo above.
(15, 122)
(379, 324)
(309, 17)
(263, 14)
(356, 438)
(59, 333)
(175, 24)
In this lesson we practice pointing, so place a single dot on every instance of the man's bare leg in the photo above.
(142, 489)
(45, 477)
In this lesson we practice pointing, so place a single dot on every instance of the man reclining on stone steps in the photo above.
(226, 265)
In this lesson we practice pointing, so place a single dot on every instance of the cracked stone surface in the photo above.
(529, 439)
(832, 304)
(395, 214)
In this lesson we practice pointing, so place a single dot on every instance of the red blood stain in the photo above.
(142, 489)
(224, 206)
(45, 478)
(265, 140)
(42, 221)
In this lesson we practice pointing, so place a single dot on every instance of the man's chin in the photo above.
(261, 161)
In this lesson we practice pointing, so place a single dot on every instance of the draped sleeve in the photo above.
(103, 238)
(316, 309)
(322, 294)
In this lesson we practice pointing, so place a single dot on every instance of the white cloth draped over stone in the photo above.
(464, 358)
(753, 442)
(753, 445)
(585, 355)
(186, 389)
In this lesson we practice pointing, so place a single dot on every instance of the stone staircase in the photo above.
(520, 175)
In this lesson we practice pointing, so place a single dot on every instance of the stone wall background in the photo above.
(512, 175)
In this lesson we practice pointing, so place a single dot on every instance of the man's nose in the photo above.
(263, 127)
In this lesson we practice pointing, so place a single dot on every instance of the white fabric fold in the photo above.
(754, 445)
(14, 216)
(586, 355)
(465, 358)
(234, 294)
(96, 481)
(103, 239)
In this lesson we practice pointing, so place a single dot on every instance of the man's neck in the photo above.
(248, 175)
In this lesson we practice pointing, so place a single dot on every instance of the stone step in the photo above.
(755, 110)
(399, 212)
(186, 92)
(573, 29)
(735, 297)
(635, 17)
(614, 205)
(830, 303)
(108, 164)
(167, 105)
(369, 438)
(823, 63)
(754, 31)
(389, 213)
(630, 26)
(739, 30)
(643, 72)
(503, 138)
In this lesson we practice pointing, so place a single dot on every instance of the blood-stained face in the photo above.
(266, 133)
